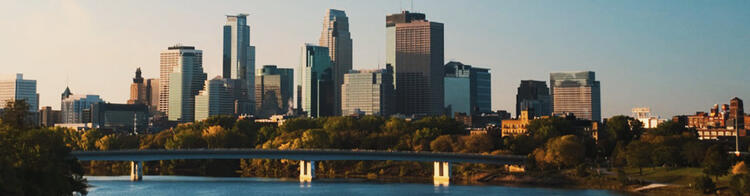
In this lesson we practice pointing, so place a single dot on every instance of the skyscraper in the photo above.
(74, 107)
(274, 88)
(336, 37)
(17, 88)
(239, 58)
(414, 48)
(533, 96)
(478, 86)
(316, 81)
(213, 100)
(368, 92)
(182, 79)
(736, 117)
(138, 89)
(577, 93)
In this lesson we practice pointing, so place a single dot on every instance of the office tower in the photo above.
(152, 94)
(76, 108)
(479, 88)
(316, 81)
(368, 92)
(138, 89)
(273, 90)
(577, 93)
(239, 59)
(736, 118)
(182, 79)
(49, 117)
(17, 88)
(121, 118)
(533, 97)
(214, 100)
(457, 84)
(336, 37)
(414, 48)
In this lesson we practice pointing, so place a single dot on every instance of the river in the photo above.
(185, 185)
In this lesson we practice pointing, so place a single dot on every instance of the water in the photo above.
(183, 185)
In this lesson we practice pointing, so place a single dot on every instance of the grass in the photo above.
(680, 176)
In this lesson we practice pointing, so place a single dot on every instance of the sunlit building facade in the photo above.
(336, 37)
(577, 93)
(316, 81)
(367, 92)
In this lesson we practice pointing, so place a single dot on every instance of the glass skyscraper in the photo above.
(577, 93)
(184, 80)
(336, 37)
(533, 96)
(239, 59)
(316, 81)
(17, 88)
(214, 99)
(468, 89)
(274, 88)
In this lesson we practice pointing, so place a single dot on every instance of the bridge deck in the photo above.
(300, 154)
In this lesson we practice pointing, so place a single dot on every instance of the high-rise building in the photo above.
(533, 97)
(239, 59)
(182, 79)
(77, 108)
(336, 37)
(577, 93)
(368, 92)
(49, 117)
(316, 81)
(414, 48)
(138, 91)
(17, 88)
(215, 99)
(152, 93)
(273, 90)
(736, 119)
(457, 84)
(475, 81)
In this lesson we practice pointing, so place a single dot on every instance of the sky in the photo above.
(677, 57)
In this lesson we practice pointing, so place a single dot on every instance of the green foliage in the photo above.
(443, 143)
(15, 115)
(475, 144)
(35, 161)
(315, 138)
(638, 154)
(560, 152)
(185, 139)
(704, 184)
(716, 162)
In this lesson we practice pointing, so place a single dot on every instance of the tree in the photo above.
(422, 138)
(443, 143)
(638, 154)
(16, 113)
(704, 184)
(739, 184)
(716, 161)
(185, 139)
(315, 138)
(561, 152)
(623, 128)
(476, 143)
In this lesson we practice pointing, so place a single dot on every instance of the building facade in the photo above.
(239, 59)
(533, 96)
(367, 92)
(577, 93)
(18, 88)
(515, 127)
(415, 50)
(336, 37)
(720, 121)
(457, 85)
(736, 118)
(49, 117)
(144, 91)
(644, 115)
(122, 118)
(185, 80)
(77, 108)
(214, 99)
(316, 81)
(274, 90)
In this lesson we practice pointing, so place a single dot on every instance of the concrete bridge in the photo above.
(307, 158)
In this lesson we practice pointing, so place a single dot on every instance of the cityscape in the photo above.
(424, 120)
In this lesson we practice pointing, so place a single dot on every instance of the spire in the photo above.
(66, 93)
(138, 78)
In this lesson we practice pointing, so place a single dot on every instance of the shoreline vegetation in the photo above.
(620, 156)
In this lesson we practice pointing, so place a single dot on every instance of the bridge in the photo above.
(307, 158)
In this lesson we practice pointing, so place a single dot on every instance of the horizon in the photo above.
(644, 54)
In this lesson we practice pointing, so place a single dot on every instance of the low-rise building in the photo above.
(127, 118)
(644, 115)
(515, 127)
(481, 120)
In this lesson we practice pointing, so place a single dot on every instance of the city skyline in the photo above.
(665, 68)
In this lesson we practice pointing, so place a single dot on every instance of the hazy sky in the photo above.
(676, 57)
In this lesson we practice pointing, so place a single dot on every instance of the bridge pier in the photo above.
(136, 171)
(306, 171)
(442, 173)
